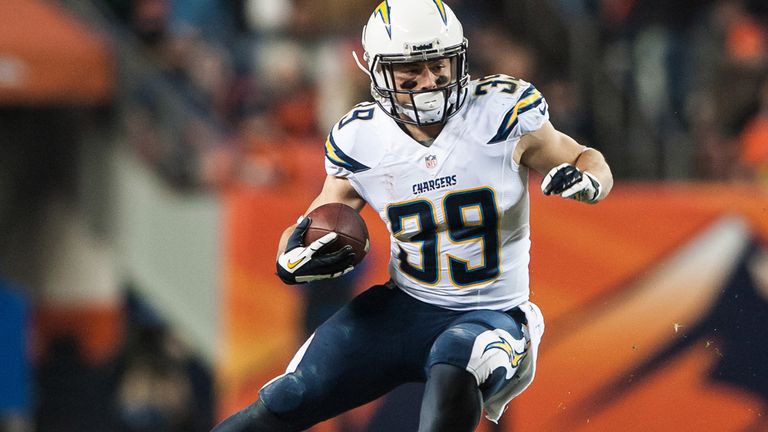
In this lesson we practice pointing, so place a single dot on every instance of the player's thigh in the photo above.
(351, 359)
(488, 344)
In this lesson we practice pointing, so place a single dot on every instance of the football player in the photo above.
(444, 161)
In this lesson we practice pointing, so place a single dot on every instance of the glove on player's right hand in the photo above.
(300, 264)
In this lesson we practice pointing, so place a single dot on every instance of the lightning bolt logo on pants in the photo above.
(502, 344)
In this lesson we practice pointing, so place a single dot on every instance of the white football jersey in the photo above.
(457, 211)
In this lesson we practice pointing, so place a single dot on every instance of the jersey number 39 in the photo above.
(460, 230)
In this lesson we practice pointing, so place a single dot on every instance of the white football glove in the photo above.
(569, 182)
(300, 264)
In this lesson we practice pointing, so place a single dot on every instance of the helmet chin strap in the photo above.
(360, 64)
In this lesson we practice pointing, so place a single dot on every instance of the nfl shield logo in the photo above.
(430, 161)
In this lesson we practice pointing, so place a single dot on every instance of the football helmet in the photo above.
(407, 31)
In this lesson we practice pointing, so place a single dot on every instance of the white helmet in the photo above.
(405, 31)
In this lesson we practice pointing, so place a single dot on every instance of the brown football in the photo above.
(346, 222)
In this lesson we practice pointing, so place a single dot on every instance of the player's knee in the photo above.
(454, 345)
(491, 355)
(285, 395)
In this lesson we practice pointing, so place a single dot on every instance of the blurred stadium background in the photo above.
(151, 151)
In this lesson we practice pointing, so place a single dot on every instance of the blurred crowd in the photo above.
(668, 90)
(145, 380)
(153, 382)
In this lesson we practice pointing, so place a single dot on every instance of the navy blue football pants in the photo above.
(381, 339)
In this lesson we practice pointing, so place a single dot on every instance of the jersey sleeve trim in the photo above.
(337, 157)
(530, 99)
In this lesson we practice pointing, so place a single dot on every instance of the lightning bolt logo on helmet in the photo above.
(383, 11)
(441, 8)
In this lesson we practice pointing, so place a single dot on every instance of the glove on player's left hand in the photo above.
(569, 182)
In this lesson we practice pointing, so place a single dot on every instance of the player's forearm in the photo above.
(594, 163)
